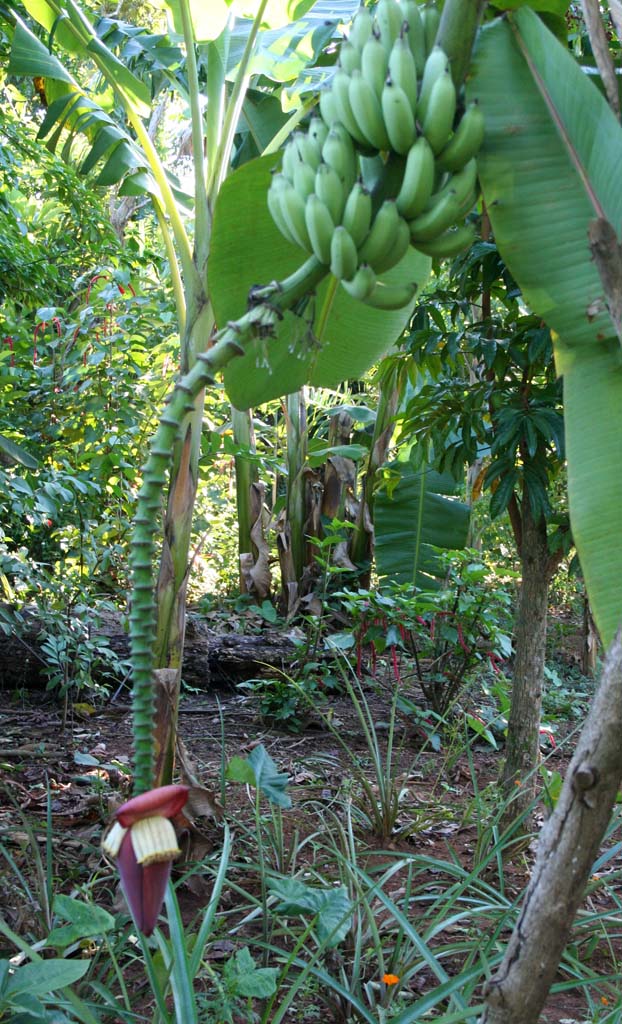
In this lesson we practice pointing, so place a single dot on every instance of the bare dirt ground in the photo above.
(85, 767)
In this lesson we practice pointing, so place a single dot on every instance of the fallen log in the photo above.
(211, 659)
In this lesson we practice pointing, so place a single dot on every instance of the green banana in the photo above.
(362, 284)
(360, 29)
(399, 119)
(331, 190)
(304, 179)
(417, 181)
(461, 184)
(291, 157)
(349, 56)
(310, 152)
(320, 227)
(367, 111)
(441, 109)
(318, 130)
(403, 70)
(345, 116)
(343, 255)
(357, 213)
(339, 153)
(416, 32)
(328, 107)
(449, 243)
(434, 221)
(391, 296)
(381, 239)
(374, 64)
(466, 140)
(293, 210)
(389, 19)
(397, 250)
(436, 65)
(431, 17)
(278, 183)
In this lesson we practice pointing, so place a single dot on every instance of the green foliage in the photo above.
(259, 771)
(552, 106)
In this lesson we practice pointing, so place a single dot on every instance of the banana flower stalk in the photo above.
(142, 840)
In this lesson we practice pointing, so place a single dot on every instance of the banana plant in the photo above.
(549, 170)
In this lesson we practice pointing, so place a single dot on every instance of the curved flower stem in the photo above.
(267, 306)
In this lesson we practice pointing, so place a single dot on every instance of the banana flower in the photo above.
(142, 840)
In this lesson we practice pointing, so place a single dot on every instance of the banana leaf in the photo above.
(550, 166)
(342, 337)
(412, 520)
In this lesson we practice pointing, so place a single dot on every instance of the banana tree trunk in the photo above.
(362, 542)
(296, 419)
(245, 477)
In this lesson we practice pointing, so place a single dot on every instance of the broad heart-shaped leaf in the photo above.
(247, 249)
(260, 771)
(43, 976)
(549, 166)
(85, 919)
(333, 907)
(413, 521)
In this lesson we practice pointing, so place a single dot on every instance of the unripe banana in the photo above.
(391, 296)
(362, 284)
(345, 116)
(349, 57)
(374, 64)
(398, 117)
(293, 209)
(440, 113)
(320, 227)
(278, 183)
(436, 65)
(450, 243)
(431, 17)
(328, 107)
(291, 157)
(357, 213)
(418, 180)
(466, 140)
(339, 153)
(318, 130)
(403, 70)
(331, 190)
(360, 29)
(416, 32)
(435, 220)
(398, 249)
(381, 239)
(304, 179)
(389, 19)
(343, 255)
(461, 184)
(309, 152)
(367, 111)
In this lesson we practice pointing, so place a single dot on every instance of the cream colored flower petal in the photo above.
(154, 840)
(111, 843)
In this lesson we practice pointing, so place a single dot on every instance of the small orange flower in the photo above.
(604, 1000)
(517, 782)
(390, 979)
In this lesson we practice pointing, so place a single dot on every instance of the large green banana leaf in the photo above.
(247, 249)
(551, 164)
(412, 520)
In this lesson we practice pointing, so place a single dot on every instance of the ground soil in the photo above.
(84, 763)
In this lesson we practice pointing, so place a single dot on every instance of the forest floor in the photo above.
(443, 796)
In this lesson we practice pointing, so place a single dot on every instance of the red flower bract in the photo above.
(143, 887)
(165, 802)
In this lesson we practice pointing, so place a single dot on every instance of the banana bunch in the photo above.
(383, 166)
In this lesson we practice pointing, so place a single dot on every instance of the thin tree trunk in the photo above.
(245, 477)
(568, 846)
(523, 747)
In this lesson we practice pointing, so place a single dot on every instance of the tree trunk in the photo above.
(523, 741)
(567, 848)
